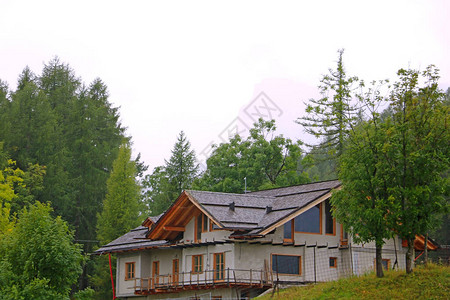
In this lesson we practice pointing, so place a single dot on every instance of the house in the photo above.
(211, 245)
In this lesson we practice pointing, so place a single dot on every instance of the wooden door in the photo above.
(219, 267)
(155, 274)
(175, 271)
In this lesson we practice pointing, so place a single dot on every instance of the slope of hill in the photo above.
(432, 282)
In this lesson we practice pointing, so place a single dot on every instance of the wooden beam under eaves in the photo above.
(173, 228)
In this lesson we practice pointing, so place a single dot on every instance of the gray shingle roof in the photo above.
(245, 200)
(250, 211)
(134, 239)
(298, 189)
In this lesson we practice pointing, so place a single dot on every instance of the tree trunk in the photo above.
(378, 261)
(410, 256)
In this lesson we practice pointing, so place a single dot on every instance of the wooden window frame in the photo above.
(287, 274)
(197, 234)
(132, 272)
(216, 271)
(334, 221)
(320, 221)
(343, 242)
(388, 263)
(334, 259)
(204, 223)
(383, 259)
(291, 240)
(203, 226)
(199, 266)
(211, 226)
(334, 229)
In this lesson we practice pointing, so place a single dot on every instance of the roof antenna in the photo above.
(245, 180)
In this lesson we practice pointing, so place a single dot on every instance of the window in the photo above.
(330, 222)
(198, 228)
(333, 262)
(197, 264)
(204, 223)
(289, 231)
(175, 271)
(201, 225)
(213, 226)
(344, 237)
(287, 264)
(219, 267)
(310, 221)
(386, 263)
(129, 270)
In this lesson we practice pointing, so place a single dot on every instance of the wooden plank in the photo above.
(173, 228)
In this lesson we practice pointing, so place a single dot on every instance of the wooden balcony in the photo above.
(170, 283)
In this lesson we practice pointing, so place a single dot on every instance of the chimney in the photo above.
(232, 206)
(268, 209)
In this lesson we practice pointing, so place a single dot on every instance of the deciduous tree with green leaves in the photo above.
(393, 168)
(417, 153)
(261, 161)
(158, 193)
(38, 257)
(363, 204)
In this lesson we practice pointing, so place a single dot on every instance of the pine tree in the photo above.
(331, 116)
(182, 167)
(166, 182)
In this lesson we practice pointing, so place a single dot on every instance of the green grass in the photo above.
(432, 282)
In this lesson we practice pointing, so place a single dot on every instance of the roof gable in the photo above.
(178, 216)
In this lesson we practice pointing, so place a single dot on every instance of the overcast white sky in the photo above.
(201, 66)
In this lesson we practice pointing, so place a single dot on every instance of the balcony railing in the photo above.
(206, 279)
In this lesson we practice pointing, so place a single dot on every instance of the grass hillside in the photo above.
(432, 282)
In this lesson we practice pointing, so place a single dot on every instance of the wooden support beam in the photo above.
(173, 228)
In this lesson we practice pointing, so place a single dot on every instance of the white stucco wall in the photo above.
(126, 287)
(189, 230)
(208, 259)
